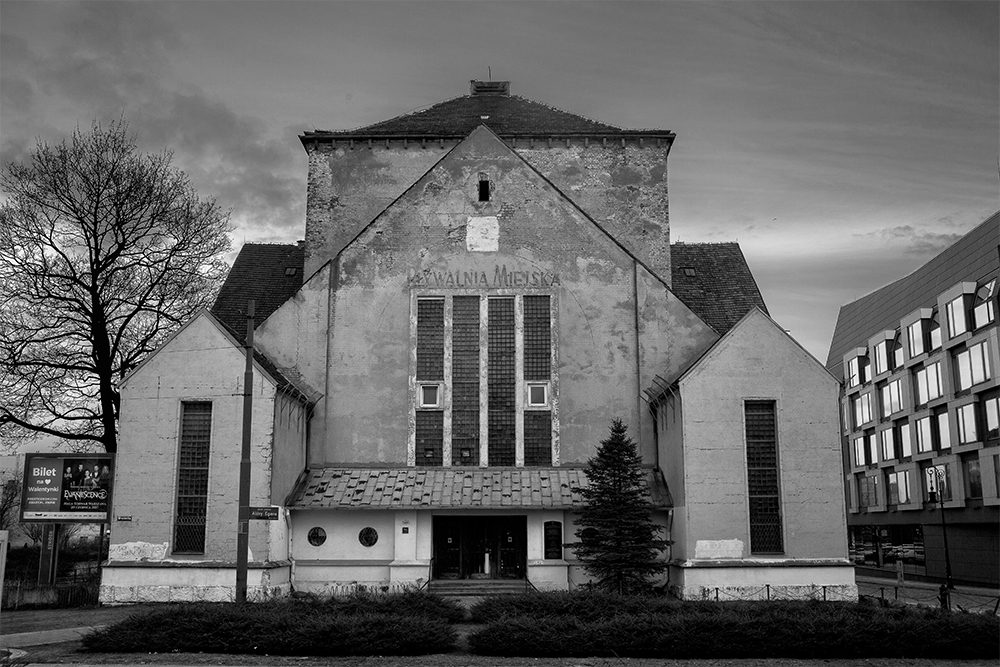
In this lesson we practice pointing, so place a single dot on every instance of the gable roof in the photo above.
(395, 488)
(260, 272)
(754, 313)
(715, 282)
(507, 115)
(972, 258)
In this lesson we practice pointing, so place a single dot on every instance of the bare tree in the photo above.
(10, 499)
(103, 252)
(36, 531)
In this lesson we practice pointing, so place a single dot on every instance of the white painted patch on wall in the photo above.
(137, 551)
(483, 234)
(718, 549)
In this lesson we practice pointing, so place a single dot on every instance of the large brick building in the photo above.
(920, 361)
(483, 286)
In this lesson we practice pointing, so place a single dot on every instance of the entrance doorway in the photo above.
(485, 547)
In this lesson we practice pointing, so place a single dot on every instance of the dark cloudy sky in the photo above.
(842, 144)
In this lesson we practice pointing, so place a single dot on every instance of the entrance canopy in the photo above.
(486, 488)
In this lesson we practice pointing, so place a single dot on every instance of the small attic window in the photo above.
(689, 271)
(484, 187)
(290, 271)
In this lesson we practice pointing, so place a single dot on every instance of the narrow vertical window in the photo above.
(537, 373)
(430, 376)
(484, 187)
(553, 540)
(430, 437)
(762, 475)
(192, 477)
(465, 381)
(501, 382)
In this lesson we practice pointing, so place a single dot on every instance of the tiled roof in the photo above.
(506, 115)
(971, 258)
(714, 281)
(487, 488)
(260, 272)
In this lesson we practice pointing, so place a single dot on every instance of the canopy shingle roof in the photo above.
(506, 115)
(487, 488)
(714, 281)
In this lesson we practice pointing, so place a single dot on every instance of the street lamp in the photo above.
(938, 499)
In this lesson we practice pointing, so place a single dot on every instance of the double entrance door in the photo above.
(486, 547)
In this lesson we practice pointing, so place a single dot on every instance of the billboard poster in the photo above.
(67, 488)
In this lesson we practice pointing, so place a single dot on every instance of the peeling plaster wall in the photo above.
(422, 239)
(670, 337)
(623, 189)
(758, 361)
(348, 187)
(146, 470)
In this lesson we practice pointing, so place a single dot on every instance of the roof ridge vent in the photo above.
(497, 88)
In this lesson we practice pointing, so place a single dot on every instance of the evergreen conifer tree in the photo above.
(619, 544)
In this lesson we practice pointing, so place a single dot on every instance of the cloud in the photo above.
(100, 60)
(915, 241)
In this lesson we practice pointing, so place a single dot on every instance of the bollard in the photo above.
(881, 593)
(768, 591)
(824, 594)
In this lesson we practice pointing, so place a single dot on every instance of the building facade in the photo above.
(919, 361)
(483, 286)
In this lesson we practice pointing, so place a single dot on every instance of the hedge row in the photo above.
(274, 628)
(582, 605)
(407, 603)
(745, 630)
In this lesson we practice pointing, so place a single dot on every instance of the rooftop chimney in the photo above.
(496, 88)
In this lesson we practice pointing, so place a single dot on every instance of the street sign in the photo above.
(264, 513)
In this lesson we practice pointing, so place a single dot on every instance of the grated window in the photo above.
(762, 475)
(430, 339)
(192, 477)
(501, 385)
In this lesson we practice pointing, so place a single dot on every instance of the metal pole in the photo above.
(947, 555)
(243, 531)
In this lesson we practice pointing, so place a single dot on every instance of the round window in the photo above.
(316, 537)
(368, 537)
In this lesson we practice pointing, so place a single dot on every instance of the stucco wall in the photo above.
(199, 364)
(348, 187)
(758, 361)
(289, 446)
(624, 189)
(422, 242)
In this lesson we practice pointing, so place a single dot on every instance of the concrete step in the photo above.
(477, 587)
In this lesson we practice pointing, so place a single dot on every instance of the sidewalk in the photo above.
(968, 598)
(22, 639)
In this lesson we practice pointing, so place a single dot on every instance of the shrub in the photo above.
(407, 603)
(272, 628)
(746, 630)
(584, 605)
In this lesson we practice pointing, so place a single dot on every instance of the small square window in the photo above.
(538, 395)
(430, 396)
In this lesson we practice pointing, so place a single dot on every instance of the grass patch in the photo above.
(359, 625)
(594, 626)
